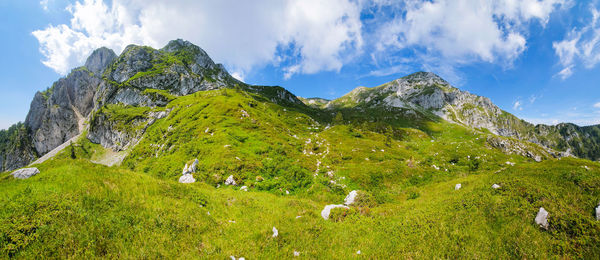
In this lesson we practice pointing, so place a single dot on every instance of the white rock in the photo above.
(495, 186)
(297, 217)
(542, 218)
(435, 167)
(510, 163)
(187, 178)
(350, 199)
(190, 168)
(25, 173)
(275, 232)
(598, 212)
(457, 186)
(244, 188)
(287, 192)
(327, 210)
(230, 180)
(358, 252)
(296, 253)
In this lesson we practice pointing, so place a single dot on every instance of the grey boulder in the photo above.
(25, 173)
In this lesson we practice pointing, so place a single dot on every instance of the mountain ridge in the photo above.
(145, 77)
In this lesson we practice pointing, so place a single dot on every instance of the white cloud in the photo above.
(303, 36)
(44, 4)
(518, 105)
(580, 45)
(464, 31)
(597, 105)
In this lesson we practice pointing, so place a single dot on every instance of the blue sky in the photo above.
(537, 59)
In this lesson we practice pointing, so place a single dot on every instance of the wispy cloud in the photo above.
(580, 45)
(517, 105)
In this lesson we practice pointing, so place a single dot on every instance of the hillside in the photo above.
(153, 113)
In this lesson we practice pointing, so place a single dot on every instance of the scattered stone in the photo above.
(244, 188)
(232, 221)
(25, 173)
(495, 186)
(287, 192)
(327, 210)
(208, 213)
(510, 163)
(435, 167)
(230, 181)
(297, 217)
(350, 199)
(296, 253)
(598, 212)
(187, 178)
(358, 252)
(542, 218)
(457, 186)
(275, 232)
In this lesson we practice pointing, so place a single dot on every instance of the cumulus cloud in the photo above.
(303, 36)
(458, 32)
(580, 45)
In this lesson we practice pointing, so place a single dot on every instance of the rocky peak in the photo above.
(195, 57)
(99, 60)
(423, 77)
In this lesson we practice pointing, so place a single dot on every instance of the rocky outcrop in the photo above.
(16, 149)
(25, 173)
(117, 132)
(327, 210)
(188, 170)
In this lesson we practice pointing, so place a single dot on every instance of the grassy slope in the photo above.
(78, 209)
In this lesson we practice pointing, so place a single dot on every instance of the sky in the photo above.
(537, 59)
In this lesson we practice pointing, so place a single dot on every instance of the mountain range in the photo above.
(161, 153)
(144, 77)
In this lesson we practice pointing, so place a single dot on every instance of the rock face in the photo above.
(25, 173)
(99, 60)
(350, 198)
(327, 210)
(57, 114)
(542, 218)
